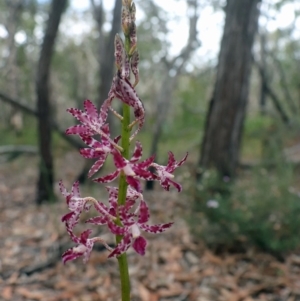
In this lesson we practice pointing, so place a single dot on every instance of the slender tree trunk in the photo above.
(106, 47)
(15, 8)
(106, 64)
(107, 58)
(275, 100)
(45, 181)
(169, 83)
(163, 103)
(263, 92)
(225, 118)
(284, 85)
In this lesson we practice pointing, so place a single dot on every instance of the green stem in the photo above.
(125, 283)
(122, 259)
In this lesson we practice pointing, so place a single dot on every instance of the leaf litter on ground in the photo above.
(175, 266)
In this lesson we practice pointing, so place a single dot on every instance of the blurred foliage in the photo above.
(261, 208)
(257, 128)
(26, 136)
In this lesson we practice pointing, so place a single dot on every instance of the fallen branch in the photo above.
(32, 112)
(54, 257)
(18, 104)
(18, 149)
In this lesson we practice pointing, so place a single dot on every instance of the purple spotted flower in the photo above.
(109, 213)
(84, 247)
(76, 205)
(91, 121)
(165, 172)
(131, 168)
(122, 89)
(133, 223)
(98, 150)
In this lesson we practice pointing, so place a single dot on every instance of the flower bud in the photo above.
(126, 2)
(134, 66)
(125, 72)
(133, 11)
(119, 52)
(126, 20)
(133, 39)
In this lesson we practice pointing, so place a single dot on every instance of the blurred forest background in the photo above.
(219, 79)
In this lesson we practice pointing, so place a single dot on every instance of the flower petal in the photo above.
(91, 142)
(113, 197)
(62, 188)
(75, 189)
(144, 213)
(137, 153)
(122, 246)
(90, 153)
(80, 130)
(176, 185)
(159, 228)
(144, 174)
(98, 220)
(97, 165)
(90, 109)
(134, 183)
(173, 164)
(79, 115)
(165, 184)
(85, 235)
(119, 160)
(108, 178)
(115, 229)
(139, 245)
(146, 163)
(72, 254)
(67, 216)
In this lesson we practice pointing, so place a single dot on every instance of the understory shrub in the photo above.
(261, 208)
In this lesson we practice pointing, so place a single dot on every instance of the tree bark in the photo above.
(106, 47)
(11, 74)
(45, 190)
(225, 117)
(263, 93)
(28, 110)
(169, 83)
(106, 60)
(284, 85)
(267, 88)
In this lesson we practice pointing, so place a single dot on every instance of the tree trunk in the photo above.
(107, 57)
(106, 48)
(106, 65)
(45, 181)
(225, 118)
(169, 83)
(163, 102)
(11, 75)
(284, 85)
(28, 110)
(263, 63)
(276, 102)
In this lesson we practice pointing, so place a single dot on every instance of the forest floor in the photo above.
(175, 266)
